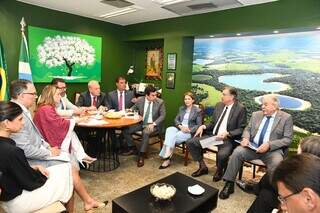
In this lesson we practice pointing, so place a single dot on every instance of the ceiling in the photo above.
(126, 12)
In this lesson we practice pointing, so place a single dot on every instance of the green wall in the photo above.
(115, 52)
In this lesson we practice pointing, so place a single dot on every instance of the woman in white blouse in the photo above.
(187, 121)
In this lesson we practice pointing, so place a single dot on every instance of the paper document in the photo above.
(211, 141)
(251, 145)
(64, 156)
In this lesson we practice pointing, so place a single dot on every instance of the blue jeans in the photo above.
(173, 136)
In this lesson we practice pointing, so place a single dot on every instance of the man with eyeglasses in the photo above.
(228, 121)
(65, 108)
(298, 182)
(36, 149)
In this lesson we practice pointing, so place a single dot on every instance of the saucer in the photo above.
(196, 189)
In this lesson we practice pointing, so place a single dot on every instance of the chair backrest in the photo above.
(76, 97)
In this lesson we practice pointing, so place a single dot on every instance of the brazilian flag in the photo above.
(3, 76)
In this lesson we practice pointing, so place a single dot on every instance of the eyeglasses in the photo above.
(61, 87)
(30, 93)
(284, 199)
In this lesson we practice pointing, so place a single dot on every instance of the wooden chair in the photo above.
(159, 138)
(254, 163)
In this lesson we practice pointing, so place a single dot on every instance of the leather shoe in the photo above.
(227, 190)
(217, 176)
(130, 152)
(246, 187)
(199, 172)
(140, 162)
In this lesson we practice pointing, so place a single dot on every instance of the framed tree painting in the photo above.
(58, 54)
(154, 63)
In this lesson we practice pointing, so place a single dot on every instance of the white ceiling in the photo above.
(147, 10)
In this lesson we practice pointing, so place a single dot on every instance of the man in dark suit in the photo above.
(228, 122)
(268, 133)
(120, 99)
(153, 112)
(93, 98)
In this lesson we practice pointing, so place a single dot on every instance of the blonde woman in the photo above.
(187, 121)
(58, 132)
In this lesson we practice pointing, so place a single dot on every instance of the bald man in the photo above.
(93, 98)
(267, 135)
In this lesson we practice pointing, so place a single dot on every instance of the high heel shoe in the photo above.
(99, 206)
(165, 166)
(87, 162)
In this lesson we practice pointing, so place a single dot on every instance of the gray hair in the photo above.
(18, 86)
(274, 98)
(93, 82)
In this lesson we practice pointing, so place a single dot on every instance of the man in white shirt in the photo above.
(228, 122)
(153, 111)
(65, 108)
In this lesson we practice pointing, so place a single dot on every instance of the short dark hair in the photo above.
(298, 172)
(149, 89)
(311, 145)
(9, 110)
(55, 81)
(18, 86)
(233, 91)
(120, 78)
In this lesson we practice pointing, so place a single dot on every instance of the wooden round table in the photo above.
(107, 157)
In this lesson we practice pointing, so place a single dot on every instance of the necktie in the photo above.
(94, 103)
(264, 130)
(61, 104)
(146, 116)
(120, 102)
(220, 121)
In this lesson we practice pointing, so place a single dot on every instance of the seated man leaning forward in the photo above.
(153, 112)
(267, 136)
(298, 182)
(65, 108)
(228, 122)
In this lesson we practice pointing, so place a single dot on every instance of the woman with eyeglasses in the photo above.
(25, 188)
(187, 121)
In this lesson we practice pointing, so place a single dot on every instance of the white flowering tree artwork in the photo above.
(65, 50)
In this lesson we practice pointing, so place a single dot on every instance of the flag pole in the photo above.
(23, 25)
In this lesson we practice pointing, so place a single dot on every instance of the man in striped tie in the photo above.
(267, 136)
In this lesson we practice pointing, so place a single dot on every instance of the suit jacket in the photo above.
(158, 110)
(195, 118)
(85, 100)
(236, 121)
(30, 140)
(112, 99)
(281, 130)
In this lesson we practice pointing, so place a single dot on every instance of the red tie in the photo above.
(120, 102)
(94, 103)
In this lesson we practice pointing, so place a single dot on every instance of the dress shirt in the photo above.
(268, 132)
(123, 99)
(145, 110)
(17, 174)
(223, 125)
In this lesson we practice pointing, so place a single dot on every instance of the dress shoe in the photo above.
(130, 152)
(140, 162)
(227, 190)
(247, 187)
(199, 172)
(217, 176)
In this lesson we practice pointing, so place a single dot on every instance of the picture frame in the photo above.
(172, 61)
(154, 63)
(170, 80)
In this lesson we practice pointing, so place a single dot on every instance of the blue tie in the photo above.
(264, 130)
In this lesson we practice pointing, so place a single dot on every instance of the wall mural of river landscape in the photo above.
(286, 64)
